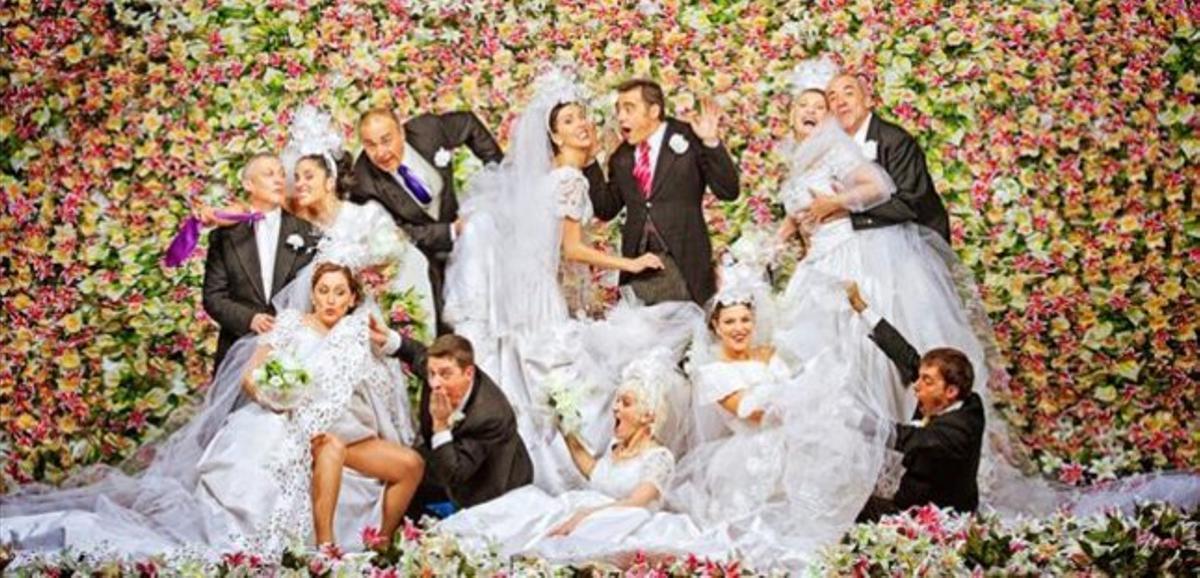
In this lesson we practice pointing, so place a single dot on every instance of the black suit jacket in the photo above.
(674, 204)
(941, 459)
(487, 457)
(233, 287)
(428, 133)
(915, 199)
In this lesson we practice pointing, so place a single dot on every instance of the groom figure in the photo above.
(896, 151)
(941, 445)
(248, 263)
(406, 168)
(659, 175)
(469, 433)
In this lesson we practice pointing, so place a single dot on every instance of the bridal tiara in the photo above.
(650, 377)
(813, 74)
(557, 85)
(312, 133)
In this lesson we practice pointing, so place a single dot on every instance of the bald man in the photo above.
(896, 151)
(407, 168)
(248, 263)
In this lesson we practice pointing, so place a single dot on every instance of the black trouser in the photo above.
(877, 508)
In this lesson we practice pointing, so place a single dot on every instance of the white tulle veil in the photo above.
(514, 198)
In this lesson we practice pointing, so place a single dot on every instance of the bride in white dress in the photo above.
(779, 462)
(618, 513)
(259, 466)
(239, 480)
(522, 244)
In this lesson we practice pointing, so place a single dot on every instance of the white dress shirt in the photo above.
(655, 140)
(860, 135)
(266, 236)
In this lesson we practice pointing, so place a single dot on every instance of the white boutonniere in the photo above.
(441, 158)
(870, 149)
(295, 241)
(456, 418)
(678, 144)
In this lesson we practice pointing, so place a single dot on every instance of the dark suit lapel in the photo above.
(664, 162)
(472, 396)
(246, 249)
(873, 128)
(285, 255)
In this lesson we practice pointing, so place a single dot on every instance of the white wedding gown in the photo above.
(234, 481)
(518, 522)
(792, 483)
(504, 293)
(212, 485)
(258, 468)
(902, 274)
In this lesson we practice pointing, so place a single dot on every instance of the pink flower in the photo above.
(1071, 474)
(332, 551)
(372, 538)
(411, 532)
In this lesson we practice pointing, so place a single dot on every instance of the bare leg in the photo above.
(399, 467)
(329, 455)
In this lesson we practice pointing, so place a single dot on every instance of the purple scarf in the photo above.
(185, 242)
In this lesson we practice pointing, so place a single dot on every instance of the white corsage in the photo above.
(441, 158)
(678, 144)
(456, 418)
(295, 241)
(870, 149)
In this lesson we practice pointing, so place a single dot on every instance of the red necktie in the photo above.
(641, 168)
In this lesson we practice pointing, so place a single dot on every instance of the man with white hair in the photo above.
(915, 199)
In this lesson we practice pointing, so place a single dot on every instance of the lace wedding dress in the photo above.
(518, 522)
(232, 481)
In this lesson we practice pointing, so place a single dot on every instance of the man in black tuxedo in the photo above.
(896, 151)
(941, 445)
(659, 175)
(248, 263)
(407, 168)
(469, 433)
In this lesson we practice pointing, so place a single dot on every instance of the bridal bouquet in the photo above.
(281, 381)
(564, 402)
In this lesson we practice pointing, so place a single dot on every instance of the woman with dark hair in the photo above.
(244, 479)
(361, 236)
(519, 280)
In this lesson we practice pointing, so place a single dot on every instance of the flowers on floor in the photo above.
(1156, 540)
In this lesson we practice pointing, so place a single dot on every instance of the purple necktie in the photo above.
(414, 185)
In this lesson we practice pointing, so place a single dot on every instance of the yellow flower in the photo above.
(1187, 83)
(70, 360)
(23, 33)
(26, 421)
(22, 302)
(73, 53)
(72, 323)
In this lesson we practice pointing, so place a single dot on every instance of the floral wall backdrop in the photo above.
(1062, 136)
